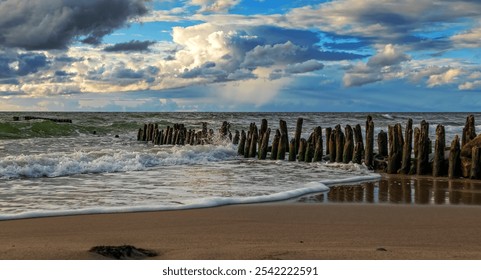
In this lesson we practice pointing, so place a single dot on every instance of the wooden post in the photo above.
(297, 136)
(302, 150)
(328, 139)
(395, 149)
(262, 131)
(144, 133)
(275, 144)
(284, 141)
(254, 140)
(242, 143)
(357, 156)
(139, 134)
(469, 130)
(475, 163)
(423, 149)
(382, 144)
(332, 146)
(348, 145)
(358, 139)
(292, 150)
(264, 144)
(235, 141)
(250, 135)
(454, 158)
(309, 152)
(407, 148)
(318, 146)
(440, 145)
(340, 140)
(369, 152)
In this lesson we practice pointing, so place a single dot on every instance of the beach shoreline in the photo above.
(283, 230)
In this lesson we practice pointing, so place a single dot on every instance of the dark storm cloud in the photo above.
(13, 64)
(54, 24)
(132, 46)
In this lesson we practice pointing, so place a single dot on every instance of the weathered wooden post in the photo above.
(236, 138)
(440, 145)
(340, 139)
(395, 149)
(318, 146)
(358, 136)
(357, 156)
(348, 151)
(469, 130)
(369, 151)
(328, 139)
(144, 133)
(302, 150)
(332, 146)
(275, 144)
(475, 163)
(242, 143)
(262, 131)
(423, 149)
(309, 152)
(254, 140)
(382, 143)
(292, 150)
(283, 141)
(139, 134)
(407, 148)
(264, 144)
(250, 136)
(297, 136)
(454, 158)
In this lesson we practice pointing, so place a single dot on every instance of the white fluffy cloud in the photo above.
(215, 5)
(384, 65)
(444, 78)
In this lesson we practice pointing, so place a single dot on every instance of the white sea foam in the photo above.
(308, 188)
(107, 160)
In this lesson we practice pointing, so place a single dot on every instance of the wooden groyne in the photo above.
(399, 151)
(28, 118)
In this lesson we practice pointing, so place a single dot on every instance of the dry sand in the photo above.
(264, 231)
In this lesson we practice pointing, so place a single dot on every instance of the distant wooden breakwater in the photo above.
(28, 118)
(398, 152)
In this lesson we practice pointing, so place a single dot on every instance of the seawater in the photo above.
(49, 169)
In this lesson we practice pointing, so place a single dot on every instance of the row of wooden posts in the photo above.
(398, 152)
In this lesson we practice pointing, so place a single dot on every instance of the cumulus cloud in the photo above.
(215, 5)
(389, 21)
(468, 39)
(54, 24)
(132, 46)
(384, 65)
(444, 78)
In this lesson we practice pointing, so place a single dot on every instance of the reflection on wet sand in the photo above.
(400, 189)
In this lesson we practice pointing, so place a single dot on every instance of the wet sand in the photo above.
(263, 231)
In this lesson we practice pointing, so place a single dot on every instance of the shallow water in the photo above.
(49, 168)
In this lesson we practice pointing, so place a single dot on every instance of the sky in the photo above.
(240, 55)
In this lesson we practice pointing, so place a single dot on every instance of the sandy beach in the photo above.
(263, 231)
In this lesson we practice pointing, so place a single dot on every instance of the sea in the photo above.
(96, 165)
